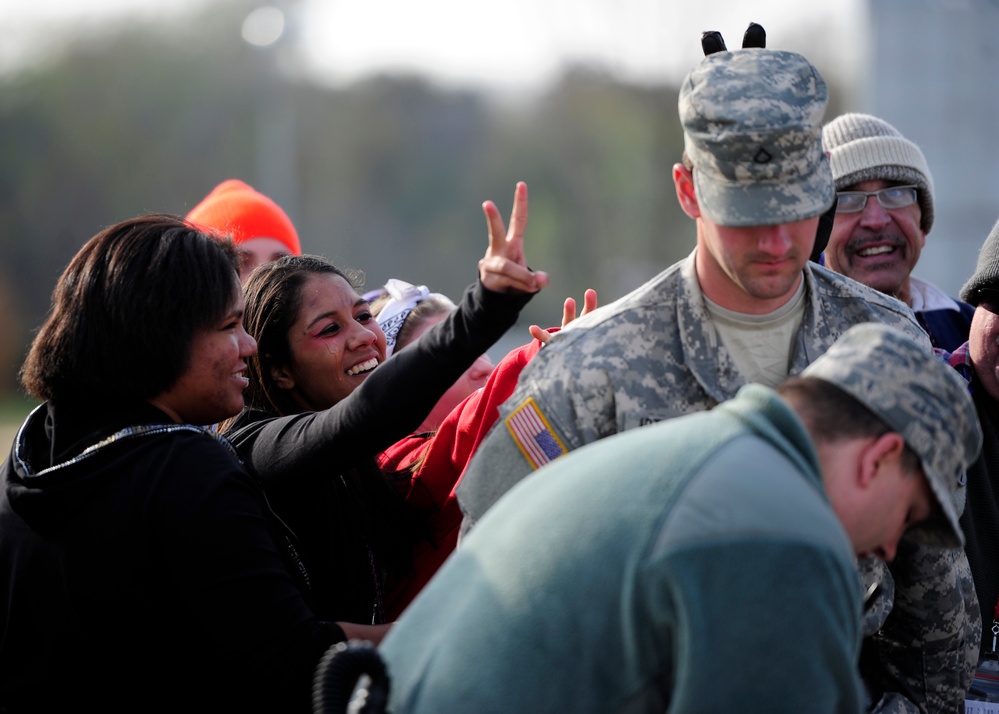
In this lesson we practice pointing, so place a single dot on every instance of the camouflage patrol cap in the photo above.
(922, 398)
(752, 127)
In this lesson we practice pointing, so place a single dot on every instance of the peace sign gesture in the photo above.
(504, 266)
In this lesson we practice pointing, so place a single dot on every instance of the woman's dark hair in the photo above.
(831, 414)
(273, 299)
(126, 309)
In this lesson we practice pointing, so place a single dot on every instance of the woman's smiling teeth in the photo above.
(366, 366)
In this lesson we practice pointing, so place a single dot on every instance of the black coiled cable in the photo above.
(338, 673)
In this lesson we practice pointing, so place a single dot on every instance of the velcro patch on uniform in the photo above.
(534, 435)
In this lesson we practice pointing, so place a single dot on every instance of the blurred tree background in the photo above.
(387, 175)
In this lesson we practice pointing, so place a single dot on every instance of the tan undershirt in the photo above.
(760, 345)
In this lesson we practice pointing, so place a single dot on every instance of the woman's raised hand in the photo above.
(504, 266)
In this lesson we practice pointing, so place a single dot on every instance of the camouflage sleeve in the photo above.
(532, 430)
(923, 658)
(496, 467)
(564, 399)
(915, 331)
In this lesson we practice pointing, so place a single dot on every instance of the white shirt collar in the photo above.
(926, 296)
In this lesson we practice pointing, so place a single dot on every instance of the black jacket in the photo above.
(980, 519)
(318, 469)
(144, 573)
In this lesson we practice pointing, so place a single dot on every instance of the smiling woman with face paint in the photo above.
(323, 402)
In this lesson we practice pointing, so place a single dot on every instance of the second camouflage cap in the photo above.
(920, 397)
(752, 123)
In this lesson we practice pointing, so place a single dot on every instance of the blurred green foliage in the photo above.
(387, 175)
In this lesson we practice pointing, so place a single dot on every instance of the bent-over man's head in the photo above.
(897, 457)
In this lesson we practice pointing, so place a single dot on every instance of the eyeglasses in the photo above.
(989, 300)
(890, 198)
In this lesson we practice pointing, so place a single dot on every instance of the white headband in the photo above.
(405, 298)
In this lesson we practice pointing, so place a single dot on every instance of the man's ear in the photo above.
(683, 181)
(282, 378)
(886, 449)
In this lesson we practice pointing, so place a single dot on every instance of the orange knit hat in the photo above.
(234, 208)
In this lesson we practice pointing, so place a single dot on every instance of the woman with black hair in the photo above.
(142, 567)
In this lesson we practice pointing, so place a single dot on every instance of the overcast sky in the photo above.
(484, 43)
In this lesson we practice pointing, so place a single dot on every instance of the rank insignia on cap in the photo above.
(534, 435)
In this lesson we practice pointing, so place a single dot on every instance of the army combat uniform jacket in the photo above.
(655, 354)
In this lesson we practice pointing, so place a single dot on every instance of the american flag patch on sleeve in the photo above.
(534, 435)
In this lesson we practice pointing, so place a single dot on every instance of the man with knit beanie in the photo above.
(978, 361)
(261, 231)
(883, 215)
(747, 305)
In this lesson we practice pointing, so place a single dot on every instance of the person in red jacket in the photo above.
(436, 457)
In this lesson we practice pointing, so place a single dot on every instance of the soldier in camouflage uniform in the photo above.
(722, 507)
(745, 306)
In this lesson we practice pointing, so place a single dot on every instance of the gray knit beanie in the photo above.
(986, 277)
(865, 148)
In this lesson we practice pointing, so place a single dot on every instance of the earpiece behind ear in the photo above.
(823, 232)
(712, 41)
(755, 36)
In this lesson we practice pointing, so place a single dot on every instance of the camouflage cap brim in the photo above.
(920, 397)
(753, 200)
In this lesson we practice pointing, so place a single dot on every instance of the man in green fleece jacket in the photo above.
(703, 564)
